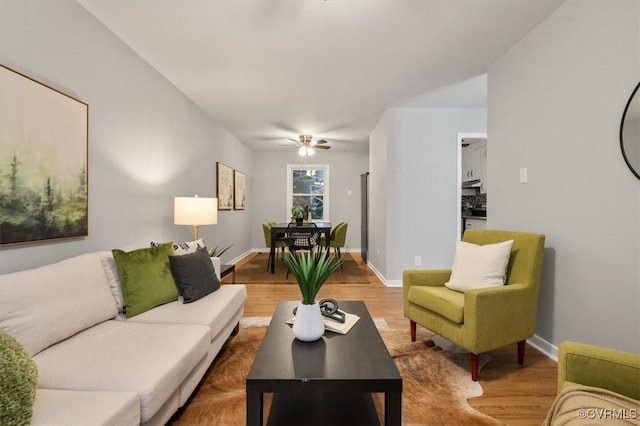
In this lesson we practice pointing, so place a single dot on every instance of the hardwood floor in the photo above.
(513, 394)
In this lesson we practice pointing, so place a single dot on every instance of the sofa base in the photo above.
(69, 407)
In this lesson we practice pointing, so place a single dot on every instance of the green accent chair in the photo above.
(480, 320)
(596, 385)
(280, 244)
(580, 364)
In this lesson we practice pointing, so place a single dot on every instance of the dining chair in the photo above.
(339, 237)
(280, 242)
(304, 236)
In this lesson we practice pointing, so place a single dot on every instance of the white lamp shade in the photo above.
(195, 211)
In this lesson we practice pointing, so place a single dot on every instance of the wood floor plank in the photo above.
(514, 394)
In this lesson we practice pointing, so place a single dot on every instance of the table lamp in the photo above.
(195, 211)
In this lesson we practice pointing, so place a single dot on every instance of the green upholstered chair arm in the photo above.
(614, 370)
(496, 316)
(431, 277)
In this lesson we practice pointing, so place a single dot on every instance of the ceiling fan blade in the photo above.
(295, 140)
(321, 141)
(321, 147)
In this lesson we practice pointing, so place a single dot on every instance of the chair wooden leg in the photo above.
(412, 328)
(521, 346)
(475, 364)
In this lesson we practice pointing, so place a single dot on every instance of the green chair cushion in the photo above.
(441, 300)
(17, 382)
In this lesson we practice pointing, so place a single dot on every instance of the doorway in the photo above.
(472, 181)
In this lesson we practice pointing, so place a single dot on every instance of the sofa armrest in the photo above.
(216, 265)
(595, 366)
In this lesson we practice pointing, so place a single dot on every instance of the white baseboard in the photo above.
(548, 349)
(387, 283)
(242, 256)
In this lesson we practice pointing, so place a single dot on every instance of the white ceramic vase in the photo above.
(308, 325)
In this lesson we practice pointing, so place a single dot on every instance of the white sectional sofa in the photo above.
(94, 365)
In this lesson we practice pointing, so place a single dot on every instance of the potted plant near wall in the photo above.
(297, 213)
(311, 270)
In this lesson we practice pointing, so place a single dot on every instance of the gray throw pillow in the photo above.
(195, 275)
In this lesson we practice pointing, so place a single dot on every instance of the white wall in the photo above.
(421, 197)
(147, 142)
(555, 104)
(378, 149)
(269, 189)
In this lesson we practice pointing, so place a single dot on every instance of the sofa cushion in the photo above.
(145, 277)
(214, 310)
(42, 306)
(148, 359)
(448, 303)
(194, 274)
(17, 382)
(81, 408)
(479, 266)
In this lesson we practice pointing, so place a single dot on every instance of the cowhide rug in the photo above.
(436, 383)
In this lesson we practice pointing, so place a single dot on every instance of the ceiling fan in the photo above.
(308, 145)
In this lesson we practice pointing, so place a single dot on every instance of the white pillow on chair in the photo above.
(479, 266)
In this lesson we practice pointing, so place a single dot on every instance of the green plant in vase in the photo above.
(311, 270)
(297, 213)
(218, 252)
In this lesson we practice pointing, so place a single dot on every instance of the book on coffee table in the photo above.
(341, 327)
(337, 327)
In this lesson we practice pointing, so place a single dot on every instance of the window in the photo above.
(308, 185)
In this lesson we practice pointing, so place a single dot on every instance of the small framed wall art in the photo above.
(224, 190)
(44, 135)
(239, 190)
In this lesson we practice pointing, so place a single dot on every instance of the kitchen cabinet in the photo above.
(474, 163)
(470, 223)
(482, 166)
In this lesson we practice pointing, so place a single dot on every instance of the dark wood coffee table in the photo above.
(328, 381)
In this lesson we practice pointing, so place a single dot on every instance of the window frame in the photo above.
(325, 192)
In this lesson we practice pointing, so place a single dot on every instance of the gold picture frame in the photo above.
(224, 189)
(44, 134)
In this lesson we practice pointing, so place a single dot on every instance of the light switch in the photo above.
(523, 175)
(348, 192)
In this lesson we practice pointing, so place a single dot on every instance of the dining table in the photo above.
(324, 228)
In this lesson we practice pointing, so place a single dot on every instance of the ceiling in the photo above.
(271, 70)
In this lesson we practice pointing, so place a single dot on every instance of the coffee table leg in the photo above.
(254, 408)
(393, 408)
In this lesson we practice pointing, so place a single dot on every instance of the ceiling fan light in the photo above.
(310, 151)
(302, 151)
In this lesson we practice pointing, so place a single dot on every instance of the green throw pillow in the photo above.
(17, 382)
(145, 278)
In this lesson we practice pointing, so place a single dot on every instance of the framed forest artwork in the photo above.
(224, 191)
(239, 190)
(43, 161)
